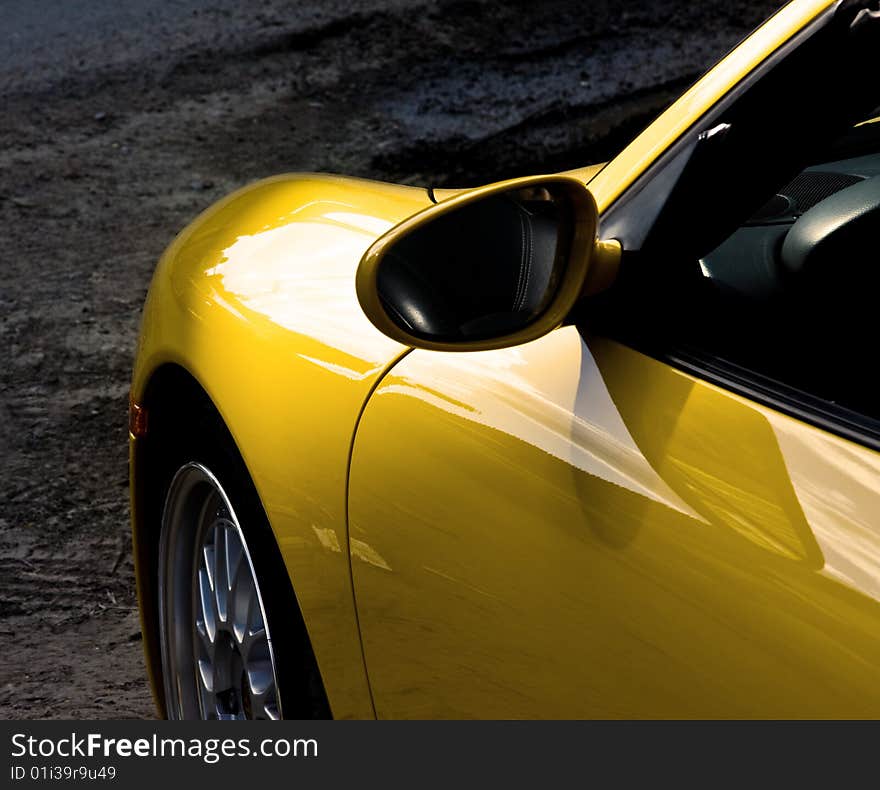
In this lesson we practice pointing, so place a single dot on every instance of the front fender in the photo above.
(256, 299)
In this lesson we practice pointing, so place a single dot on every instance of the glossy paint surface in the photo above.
(555, 529)
(256, 299)
(572, 529)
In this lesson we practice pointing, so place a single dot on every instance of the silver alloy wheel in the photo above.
(217, 655)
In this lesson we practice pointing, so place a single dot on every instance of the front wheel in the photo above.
(217, 650)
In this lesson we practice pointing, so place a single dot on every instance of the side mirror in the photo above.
(488, 268)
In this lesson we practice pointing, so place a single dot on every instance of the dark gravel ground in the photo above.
(122, 120)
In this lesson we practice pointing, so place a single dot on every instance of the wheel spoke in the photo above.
(261, 685)
(256, 626)
(260, 678)
(208, 561)
(234, 553)
(207, 614)
(206, 675)
(205, 682)
(221, 579)
(244, 601)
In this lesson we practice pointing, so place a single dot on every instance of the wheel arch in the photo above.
(171, 397)
(178, 408)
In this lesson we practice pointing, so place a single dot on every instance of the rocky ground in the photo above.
(122, 119)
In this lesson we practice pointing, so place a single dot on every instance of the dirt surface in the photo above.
(122, 120)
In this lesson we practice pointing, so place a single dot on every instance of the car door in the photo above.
(570, 528)
(574, 527)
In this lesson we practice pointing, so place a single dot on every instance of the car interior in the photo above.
(750, 250)
(790, 293)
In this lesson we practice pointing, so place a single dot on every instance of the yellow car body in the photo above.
(567, 528)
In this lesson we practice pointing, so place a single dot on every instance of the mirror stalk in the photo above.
(604, 266)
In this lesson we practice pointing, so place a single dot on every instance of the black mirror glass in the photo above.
(485, 269)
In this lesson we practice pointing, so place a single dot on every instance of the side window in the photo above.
(792, 292)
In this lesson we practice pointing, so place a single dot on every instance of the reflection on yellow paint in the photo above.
(500, 392)
(836, 483)
(327, 538)
(597, 534)
(265, 273)
(718, 453)
(362, 551)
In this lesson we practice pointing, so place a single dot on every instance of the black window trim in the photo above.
(818, 412)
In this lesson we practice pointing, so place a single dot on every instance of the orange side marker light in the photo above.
(137, 419)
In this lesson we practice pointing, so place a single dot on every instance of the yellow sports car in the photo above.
(650, 488)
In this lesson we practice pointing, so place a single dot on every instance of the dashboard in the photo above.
(826, 209)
